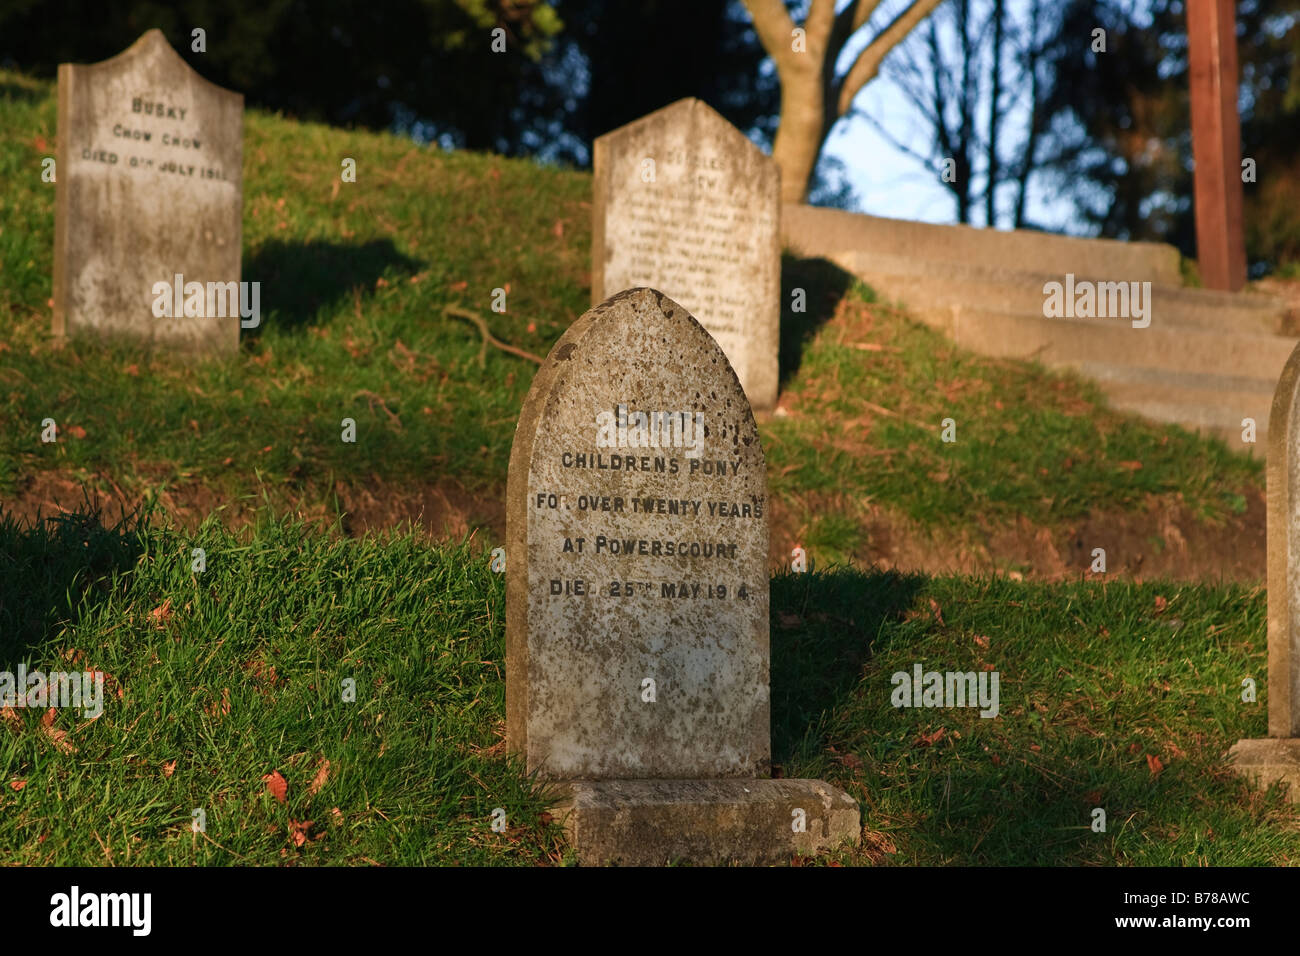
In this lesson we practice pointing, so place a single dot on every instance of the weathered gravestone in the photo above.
(684, 202)
(148, 176)
(1277, 756)
(637, 599)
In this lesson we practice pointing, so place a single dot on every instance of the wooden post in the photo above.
(1216, 143)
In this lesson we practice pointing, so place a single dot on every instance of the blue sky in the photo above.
(887, 181)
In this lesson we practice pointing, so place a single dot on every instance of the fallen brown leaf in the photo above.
(1154, 765)
(161, 614)
(57, 737)
(877, 844)
(318, 781)
(929, 740)
(276, 785)
(300, 831)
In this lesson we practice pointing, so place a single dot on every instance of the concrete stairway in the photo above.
(1207, 360)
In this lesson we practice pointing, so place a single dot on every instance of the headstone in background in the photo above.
(1277, 756)
(149, 187)
(637, 663)
(685, 203)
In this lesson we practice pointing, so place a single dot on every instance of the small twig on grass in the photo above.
(880, 409)
(219, 846)
(488, 338)
(374, 399)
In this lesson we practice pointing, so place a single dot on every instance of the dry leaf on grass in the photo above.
(318, 781)
(877, 844)
(300, 831)
(161, 614)
(276, 785)
(57, 737)
(929, 740)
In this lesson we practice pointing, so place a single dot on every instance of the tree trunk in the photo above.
(802, 131)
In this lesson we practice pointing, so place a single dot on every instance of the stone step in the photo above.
(1214, 404)
(933, 287)
(813, 231)
(1072, 342)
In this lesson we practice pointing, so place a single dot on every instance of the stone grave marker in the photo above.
(685, 203)
(637, 599)
(1277, 756)
(148, 180)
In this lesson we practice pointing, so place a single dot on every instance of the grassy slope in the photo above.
(1095, 680)
(355, 277)
(235, 673)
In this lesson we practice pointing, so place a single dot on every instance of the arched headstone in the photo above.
(637, 597)
(1277, 757)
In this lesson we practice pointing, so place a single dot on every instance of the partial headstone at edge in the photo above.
(1276, 758)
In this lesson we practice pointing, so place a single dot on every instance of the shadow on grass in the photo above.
(822, 628)
(53, 570)
(299, 279)
(823, 284)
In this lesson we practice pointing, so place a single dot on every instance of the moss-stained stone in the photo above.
(149, 187)
(637, 664)
(707, 822)
(684, 202)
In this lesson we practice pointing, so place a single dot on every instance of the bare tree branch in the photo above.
(774, 28)
(862, 11)
(867, 65)
(820, 20)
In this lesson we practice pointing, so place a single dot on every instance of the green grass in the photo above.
(355, 277)
(235, 673)
(1028, 442)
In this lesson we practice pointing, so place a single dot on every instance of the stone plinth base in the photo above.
(708, 822)
(1268, 760)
